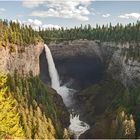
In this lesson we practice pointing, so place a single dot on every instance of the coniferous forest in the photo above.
(27, 109)
(108, 33)
(15, 33)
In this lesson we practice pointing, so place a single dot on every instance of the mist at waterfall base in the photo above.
(77, 127)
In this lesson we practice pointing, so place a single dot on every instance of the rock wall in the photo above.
(97, 104)
(23, 59)
(79, 63)
(74, 48)
(122, 68)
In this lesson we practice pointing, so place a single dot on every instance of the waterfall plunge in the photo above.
(52, 69)
(55, 83)
(76, 127)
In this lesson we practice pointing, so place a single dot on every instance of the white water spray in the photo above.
(76, 127)
(52, 69)
(55, 83)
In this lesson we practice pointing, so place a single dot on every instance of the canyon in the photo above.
(101, 73)
(88, 61)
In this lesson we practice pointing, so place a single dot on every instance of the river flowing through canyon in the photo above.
(77, 127)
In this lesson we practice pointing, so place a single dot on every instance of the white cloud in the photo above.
(32, 3)
(36, 24)
(77, 9)
(106, 15)
(50, 26)
(19, 15)
(2, 10)
(131, 15)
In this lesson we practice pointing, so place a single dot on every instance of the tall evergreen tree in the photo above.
(9, 118)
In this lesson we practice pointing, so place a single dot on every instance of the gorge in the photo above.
(100, 93)
(76, 127)
(98, 75)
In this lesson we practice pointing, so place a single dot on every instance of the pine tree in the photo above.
(65, 134)
(9, 118)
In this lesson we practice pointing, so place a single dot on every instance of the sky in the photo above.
(69, 13)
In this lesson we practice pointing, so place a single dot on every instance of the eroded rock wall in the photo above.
(117, 64)
(23, 59)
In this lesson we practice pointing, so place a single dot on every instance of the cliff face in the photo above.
(23, 59)
(69, 49)
(111, 56)
(125, 69)
(42, 111)
(101, 101)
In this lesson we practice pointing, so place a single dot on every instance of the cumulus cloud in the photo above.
(2, 10)
(50, 26)
(32, 3)
(36, 24)
(106, 15)
(77, 9)
(130, 15)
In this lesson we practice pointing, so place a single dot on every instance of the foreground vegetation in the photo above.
(113, 109)
(9, 117)
(27, 109)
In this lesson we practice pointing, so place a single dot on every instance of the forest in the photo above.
(14, 33)
(118, 33)
(27, 109)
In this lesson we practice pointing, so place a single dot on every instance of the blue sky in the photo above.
(69, 13)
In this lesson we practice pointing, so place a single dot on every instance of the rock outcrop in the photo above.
(23, 59)
(69, 49)
(18, 62)
(126, 70)
(98, 103)
(111, 55)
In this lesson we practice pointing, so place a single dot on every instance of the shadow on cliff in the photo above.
(44, 73)
(77, 72)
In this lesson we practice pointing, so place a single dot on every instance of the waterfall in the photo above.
(55, 83)
(76, 127)
(52, 69)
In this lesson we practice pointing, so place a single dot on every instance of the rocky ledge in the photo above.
(117, 63)
(22, 58)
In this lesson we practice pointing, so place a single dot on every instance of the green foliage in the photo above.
(108, 104)
(38, 111)
(66, 134)
(14, 33)
(9, 118)
(123, 126)
(118, 33)
(129, 100)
